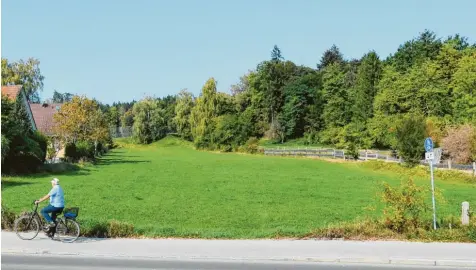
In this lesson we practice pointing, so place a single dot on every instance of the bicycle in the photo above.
(65, 225)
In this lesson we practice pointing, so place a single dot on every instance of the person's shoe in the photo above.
(52, 225)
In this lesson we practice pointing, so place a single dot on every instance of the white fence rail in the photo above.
(363, 155)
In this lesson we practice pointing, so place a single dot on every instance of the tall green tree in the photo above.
(368, 76)
(337, 110)
(149, 122)
(331, 56)
(203, 114)
(183, 109)
(464, 86)
(26, 73)
(416, 51)
(61, 97)
(302, 97)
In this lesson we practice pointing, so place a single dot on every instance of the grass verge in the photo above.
(167, 189)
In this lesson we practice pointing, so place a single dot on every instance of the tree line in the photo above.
(426, 88)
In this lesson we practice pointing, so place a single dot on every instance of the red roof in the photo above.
(43, 116)
(11, 91)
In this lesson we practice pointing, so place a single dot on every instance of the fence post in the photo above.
(366, 156)
(474, 169)
(465, 213)
(449, 164)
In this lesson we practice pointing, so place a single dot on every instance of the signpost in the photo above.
(430, 156)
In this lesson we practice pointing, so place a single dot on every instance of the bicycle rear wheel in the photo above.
(67, 230)
(26, 227)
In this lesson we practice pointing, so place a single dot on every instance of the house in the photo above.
(15, 91)
(41, 115)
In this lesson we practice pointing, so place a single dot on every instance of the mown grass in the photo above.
(169, 189)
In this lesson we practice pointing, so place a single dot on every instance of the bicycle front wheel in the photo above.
(26, 227)
(67, 230)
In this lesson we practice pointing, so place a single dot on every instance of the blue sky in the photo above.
(123, 50)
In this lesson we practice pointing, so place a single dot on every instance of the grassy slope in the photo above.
(172, 190)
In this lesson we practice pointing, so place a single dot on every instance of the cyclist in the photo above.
(56, 204)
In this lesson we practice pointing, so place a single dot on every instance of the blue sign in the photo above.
(428, 144)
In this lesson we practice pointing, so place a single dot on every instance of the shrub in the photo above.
(404, 206)
(94, 229)
(311, 137)
(251, 146)
(8, 218)
(224, 134)
(330, 136)
(119, 229)
(84, 150)
(42, 141)
(460, 143)
(410, 135)
(70, 151)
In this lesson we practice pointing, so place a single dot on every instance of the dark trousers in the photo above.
(53, 210)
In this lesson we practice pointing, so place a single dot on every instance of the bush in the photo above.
(404, 206)
(84, 150)
(460, 144)
(119, 229)
(42, 141)
(26, 154)
(70, 151)
(311, 137)
(107, 229)
(94, 229)
(8, 218)
(330, 136)
(251, 146)
(410, 135)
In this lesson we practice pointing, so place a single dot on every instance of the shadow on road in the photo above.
(82, 240)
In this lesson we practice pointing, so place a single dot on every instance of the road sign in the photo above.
(430, 156)
(428, 144)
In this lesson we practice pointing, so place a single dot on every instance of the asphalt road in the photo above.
(29, 262)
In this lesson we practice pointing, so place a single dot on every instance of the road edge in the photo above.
(341, 260)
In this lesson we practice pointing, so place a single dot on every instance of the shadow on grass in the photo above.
(7, 184)
(111, 161)
(64, 169)
(57, 169)
(118, 154)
